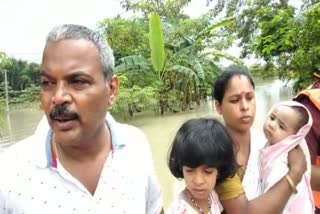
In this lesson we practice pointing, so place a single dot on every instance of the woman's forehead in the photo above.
(239, 84)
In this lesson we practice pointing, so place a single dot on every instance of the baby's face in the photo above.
(281, 123)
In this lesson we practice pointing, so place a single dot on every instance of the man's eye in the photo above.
(45, 83)
(79, 83)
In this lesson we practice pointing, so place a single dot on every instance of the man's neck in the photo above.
(88, 150)
(89, 155)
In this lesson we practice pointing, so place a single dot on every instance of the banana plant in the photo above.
(184, 70)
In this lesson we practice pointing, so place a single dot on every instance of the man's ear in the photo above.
(217, 106)
(114, 88)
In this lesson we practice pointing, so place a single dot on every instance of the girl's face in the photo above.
(280, 124)
(238, 106)
(200, 181)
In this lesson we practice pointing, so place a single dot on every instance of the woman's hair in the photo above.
(199, 142)
(220, 85)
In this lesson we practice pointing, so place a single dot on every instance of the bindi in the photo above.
(244, 93)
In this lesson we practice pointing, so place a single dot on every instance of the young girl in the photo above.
(285, 127)
(202, 154)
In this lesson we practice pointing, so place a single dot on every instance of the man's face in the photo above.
(74, 94)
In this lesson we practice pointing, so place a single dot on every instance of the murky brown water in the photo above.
(159, 130)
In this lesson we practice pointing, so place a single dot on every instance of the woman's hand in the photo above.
(297, 164)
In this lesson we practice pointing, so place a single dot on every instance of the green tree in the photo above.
(4, 62)
(285, 37)
(23, 78)
(181, 67)
(165, 8)
(126, 36)
(183, 70)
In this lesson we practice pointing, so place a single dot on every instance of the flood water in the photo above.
(159, 130)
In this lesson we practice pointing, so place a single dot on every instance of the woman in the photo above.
(234, 99)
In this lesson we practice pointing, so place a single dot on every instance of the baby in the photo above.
(285, 127)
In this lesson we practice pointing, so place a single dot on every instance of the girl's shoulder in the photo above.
(216, 206)
(179, 205)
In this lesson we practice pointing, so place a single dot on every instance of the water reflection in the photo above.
(159, 130)
(18, 124)
(269, 92)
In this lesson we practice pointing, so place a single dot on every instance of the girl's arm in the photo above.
(274, 200)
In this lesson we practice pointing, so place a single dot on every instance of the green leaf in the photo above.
(198, 68)
(134, 62)
(156, 42)
(184, 70)
(4, 60)
(223, 23)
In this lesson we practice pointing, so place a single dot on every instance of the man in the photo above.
(86, 162)
(311, 99)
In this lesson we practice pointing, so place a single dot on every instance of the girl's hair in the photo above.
(220, 85)
(199, 142)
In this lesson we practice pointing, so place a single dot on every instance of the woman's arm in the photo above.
(274, 200)
(315, 178)
(238, 205)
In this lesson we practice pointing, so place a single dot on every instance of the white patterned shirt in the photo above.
(31, 184)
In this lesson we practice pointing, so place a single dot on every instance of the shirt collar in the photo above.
(44, 157)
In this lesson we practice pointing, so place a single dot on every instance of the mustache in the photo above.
(62, 111)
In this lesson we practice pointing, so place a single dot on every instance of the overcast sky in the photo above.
(24, 24)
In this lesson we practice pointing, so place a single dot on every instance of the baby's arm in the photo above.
(276, 198)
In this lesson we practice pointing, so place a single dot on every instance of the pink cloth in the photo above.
(274, 167)
(181, 206)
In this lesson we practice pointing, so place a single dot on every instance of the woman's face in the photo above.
(238, 106)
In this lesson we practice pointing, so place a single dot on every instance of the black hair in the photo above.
(220, 85)
(202, 141)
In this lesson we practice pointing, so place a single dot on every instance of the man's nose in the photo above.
(61, 95)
